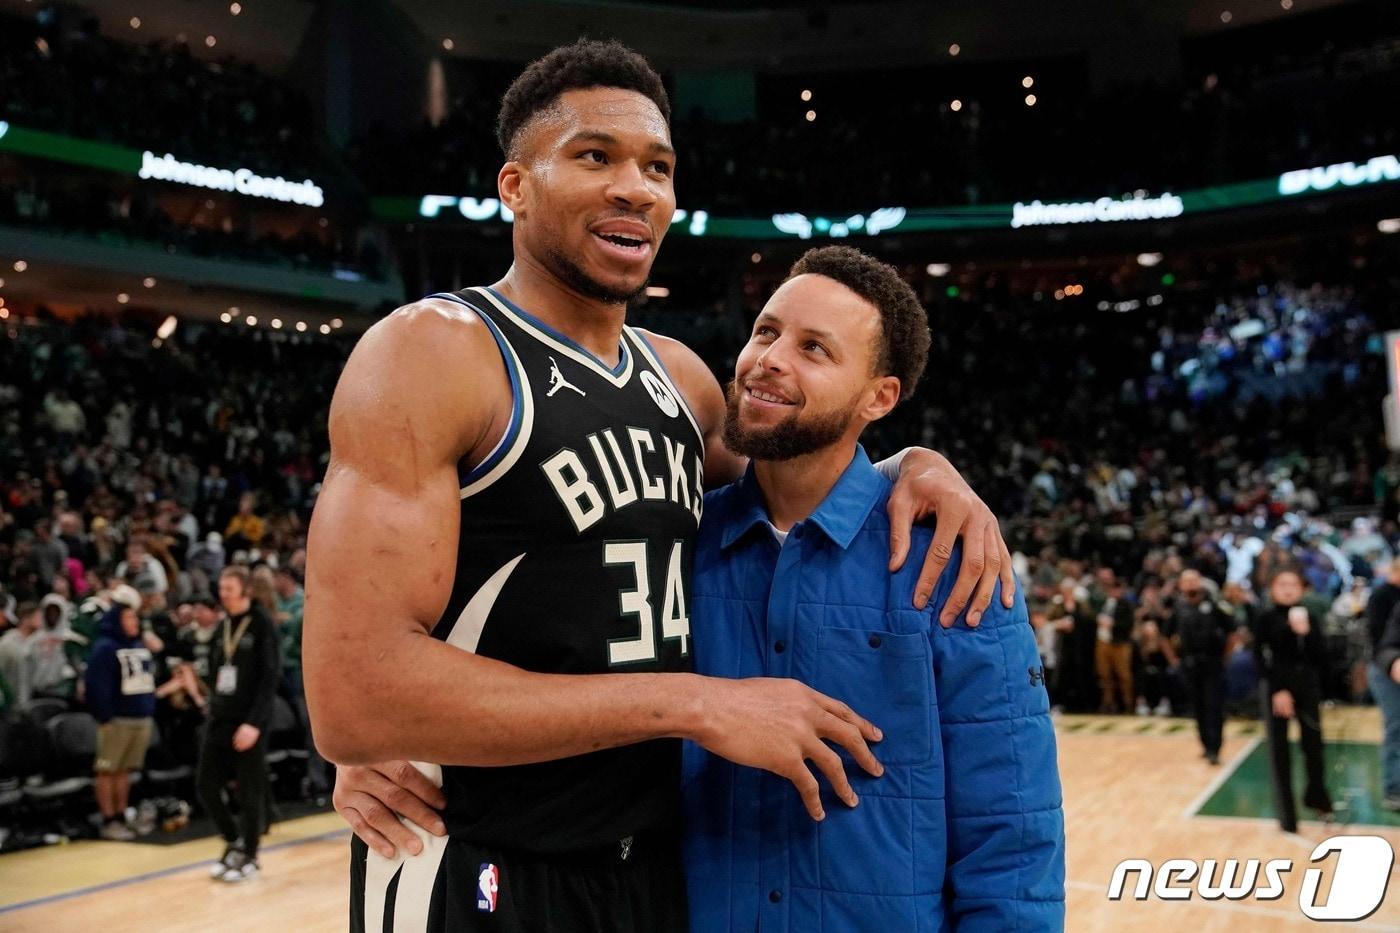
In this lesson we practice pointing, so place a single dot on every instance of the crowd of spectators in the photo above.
(62, 75)
(130, 215)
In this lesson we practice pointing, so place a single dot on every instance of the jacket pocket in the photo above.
(886, 678)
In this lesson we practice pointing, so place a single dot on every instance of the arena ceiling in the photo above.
(771, 34)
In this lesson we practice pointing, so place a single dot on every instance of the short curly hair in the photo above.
(585, 64)
(904, 334)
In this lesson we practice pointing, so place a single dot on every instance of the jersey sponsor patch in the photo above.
(488, 884)
(661, 394)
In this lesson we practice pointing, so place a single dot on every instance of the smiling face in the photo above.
(591, 188)
(806, 380)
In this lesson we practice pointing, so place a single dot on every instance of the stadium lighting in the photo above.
(658, 291)
(448, 45)
(301, 327)
(1389, 225)
(954, 49)
(149, 282)
(325, 328)
(21, 265)
(806, 96)
(1030, 100)
(123, 298)
(167, 327)
(210, 41)
(1027, 82)
(938, 269)
(251, 320)
(225, 317)
(235, 8)
(1149, 260)
(136, 22)
(811, 116)
(955, 106)
(277, 323)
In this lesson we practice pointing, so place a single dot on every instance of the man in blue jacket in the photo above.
(964, 829)
(121, 695)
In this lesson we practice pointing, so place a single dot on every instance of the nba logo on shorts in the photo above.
(488, 882)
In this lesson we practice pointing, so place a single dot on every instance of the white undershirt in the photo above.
(780, 535)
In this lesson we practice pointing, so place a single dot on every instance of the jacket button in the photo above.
(874, 641)
(775, 896)
(779, 647)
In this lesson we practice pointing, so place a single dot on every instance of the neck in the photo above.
(594, 325)
(792, 489)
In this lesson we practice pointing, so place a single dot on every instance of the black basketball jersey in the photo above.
(575, 558)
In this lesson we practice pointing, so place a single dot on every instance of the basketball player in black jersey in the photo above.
(498, 562)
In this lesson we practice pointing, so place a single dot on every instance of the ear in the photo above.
(883, 399)
(510, 184)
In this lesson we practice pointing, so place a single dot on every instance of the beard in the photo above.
(789, 438)
(571, 274)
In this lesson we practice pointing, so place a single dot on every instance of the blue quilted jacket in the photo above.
(965, 829)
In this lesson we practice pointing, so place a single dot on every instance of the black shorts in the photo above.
(455, 885)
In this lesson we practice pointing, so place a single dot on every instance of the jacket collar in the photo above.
(841, 514)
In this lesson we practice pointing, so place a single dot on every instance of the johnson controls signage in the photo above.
(242, 180)
(1104, 210)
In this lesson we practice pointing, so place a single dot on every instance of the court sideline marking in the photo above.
(159, 873)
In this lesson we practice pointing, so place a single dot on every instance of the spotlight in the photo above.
(277, 323)
(251, 320)
(938, 269)
(1226, 16)
(1389, 225)
(149, 282)
(123, 298)
(954, 49)
(811, 116)
(325, 328)
(756, 258)
(806, 96)
(301, 327)
(337, 323)
(136, 22)
(225, 317)
(1027, 82)
(167, 327)
(1149, 260)
(448, 45)
(1286, 4)
(21, 265)
(235, 8)
(210, 41)
(1030, 100)
(955, 106)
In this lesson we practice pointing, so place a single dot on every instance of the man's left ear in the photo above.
(885, 398)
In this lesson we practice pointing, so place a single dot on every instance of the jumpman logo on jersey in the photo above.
(557, 381)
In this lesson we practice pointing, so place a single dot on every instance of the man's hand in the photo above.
(373, 798)
(1283, 704)
(779, 725)
(246, 737)
(928, 485)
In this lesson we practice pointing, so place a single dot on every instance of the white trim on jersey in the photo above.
(466, 631)
(582, 358)
(645, 349)
(416, 873)
(522, 434)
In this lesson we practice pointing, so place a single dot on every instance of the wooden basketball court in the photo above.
(1133, 789)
